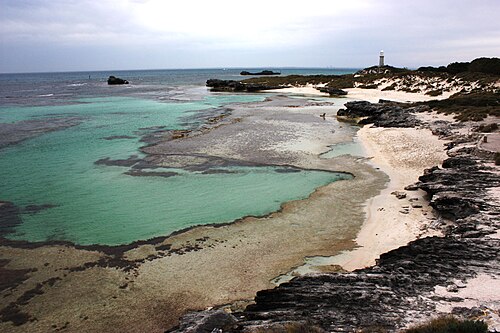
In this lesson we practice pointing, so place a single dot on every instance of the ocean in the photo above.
(55, 126)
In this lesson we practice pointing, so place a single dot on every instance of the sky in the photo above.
(81, 35)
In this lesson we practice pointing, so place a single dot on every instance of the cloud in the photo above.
(192, 33)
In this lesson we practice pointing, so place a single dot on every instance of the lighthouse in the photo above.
(381, 59)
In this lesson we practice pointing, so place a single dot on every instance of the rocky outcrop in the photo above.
(380, 114)
(112, 80)
(266, 72)
(235, 86)
(333, 91)
(225, 85)
(400, 288)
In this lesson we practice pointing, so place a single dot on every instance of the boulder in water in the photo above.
(115, 80)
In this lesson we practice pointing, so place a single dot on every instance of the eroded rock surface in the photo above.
(381, 114)
(231, 86)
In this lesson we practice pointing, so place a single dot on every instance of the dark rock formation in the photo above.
(458, 189)
(381, 114)
(235, 86)
(225, 85)
(333, 91)
(115, 80)
(200, 322)
(266, 72)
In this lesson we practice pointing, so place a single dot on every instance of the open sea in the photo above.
(63, 195)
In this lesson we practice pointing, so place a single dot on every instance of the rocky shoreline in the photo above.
(401, 289)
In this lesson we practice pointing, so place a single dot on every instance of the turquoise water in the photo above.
(353, 148)
(96, 204)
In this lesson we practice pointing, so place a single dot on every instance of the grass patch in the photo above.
(449, 324)
(436, 92)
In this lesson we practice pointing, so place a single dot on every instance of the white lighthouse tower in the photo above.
(381, 59)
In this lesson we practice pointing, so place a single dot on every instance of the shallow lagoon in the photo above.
(96, 204)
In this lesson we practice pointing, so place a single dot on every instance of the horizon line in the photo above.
(172, 69)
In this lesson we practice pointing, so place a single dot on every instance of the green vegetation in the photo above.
(436, 92)
(333, 81)
(486, 128)
(474, 106)
(449, 324)
(386, 68)
(479, 65)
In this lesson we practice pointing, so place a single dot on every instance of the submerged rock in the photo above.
(9, 217)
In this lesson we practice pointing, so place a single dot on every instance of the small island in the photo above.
(266, 72)
(112, 80)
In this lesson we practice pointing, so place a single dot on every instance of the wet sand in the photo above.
(147, 286)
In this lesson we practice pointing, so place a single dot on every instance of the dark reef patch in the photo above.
(9, 217)
(123, 163)
(142, 173)
(34, 209)
(118, 137)
(14, 133)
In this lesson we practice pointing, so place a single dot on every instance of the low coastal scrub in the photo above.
(479, 65)
(436, 92)
(486, 128)
(474, 106)
(449, 324)
(346, 81)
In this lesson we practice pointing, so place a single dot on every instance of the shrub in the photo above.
(457, 67)
(450, 324)
(485, 65)
(474, 106)
(486, 128)
(436, 92)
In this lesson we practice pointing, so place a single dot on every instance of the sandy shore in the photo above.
(403, 154)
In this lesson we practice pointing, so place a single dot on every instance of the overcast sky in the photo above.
(72, 35)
